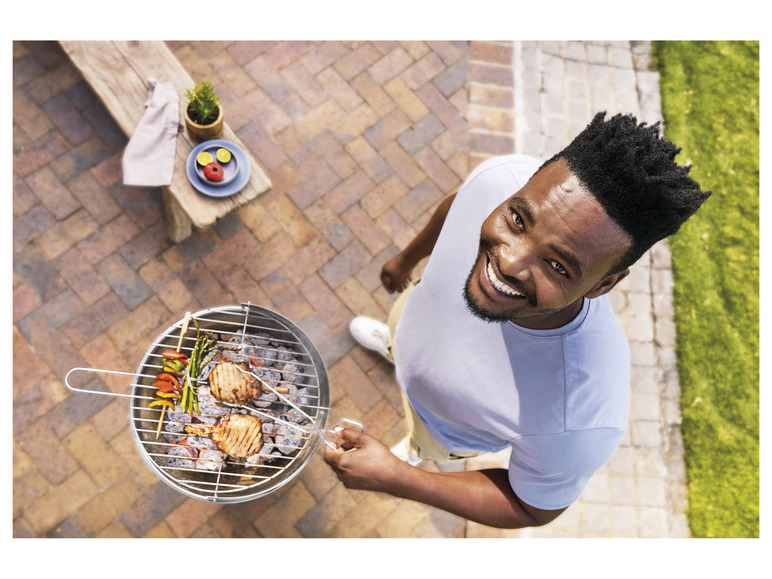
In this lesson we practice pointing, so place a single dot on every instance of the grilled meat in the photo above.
(198, 429)
(239, 435)
(229, 383)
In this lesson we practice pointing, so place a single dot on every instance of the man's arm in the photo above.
(396, 273)
(483, 496)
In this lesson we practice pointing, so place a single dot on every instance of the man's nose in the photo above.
(516, 260)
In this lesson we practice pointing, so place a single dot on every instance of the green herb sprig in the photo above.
(203, 104)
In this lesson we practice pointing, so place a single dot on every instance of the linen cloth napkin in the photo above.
(149, 156)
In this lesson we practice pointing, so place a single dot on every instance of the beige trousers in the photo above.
(422, 444)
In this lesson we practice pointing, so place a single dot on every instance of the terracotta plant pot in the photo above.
(201, 133)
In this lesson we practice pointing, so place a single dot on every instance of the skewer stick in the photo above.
(160, 423)
(184, 329)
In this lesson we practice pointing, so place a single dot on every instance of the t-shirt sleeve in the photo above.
(550, 471)
(520, 168)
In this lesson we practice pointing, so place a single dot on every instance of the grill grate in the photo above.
(280, 354)
(293, 407)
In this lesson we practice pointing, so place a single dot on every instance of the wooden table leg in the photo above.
(177, 220)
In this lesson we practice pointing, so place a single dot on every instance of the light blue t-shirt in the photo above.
(558, 397)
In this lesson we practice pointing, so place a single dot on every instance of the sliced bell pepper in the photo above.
(166, 377)
(174, 365)
(167, 403)
(174, 355)
(167, 395)
(164, 386)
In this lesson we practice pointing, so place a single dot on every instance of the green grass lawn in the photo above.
(710, 105)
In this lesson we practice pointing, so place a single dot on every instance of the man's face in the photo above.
(542, 250)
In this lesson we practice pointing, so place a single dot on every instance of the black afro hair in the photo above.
(632, 172)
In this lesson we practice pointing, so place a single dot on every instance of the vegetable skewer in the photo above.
(169, 370)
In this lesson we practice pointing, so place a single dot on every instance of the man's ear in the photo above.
(607, 284)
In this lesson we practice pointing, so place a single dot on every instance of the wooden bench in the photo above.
(118, 72)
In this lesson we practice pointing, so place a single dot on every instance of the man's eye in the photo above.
(559, 268)
(518, 220)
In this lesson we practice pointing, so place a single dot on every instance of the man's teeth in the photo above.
(499, 285)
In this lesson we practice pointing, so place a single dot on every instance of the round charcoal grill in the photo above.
(293, 416)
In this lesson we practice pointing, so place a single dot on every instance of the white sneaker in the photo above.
(402, 452)
(372, 334)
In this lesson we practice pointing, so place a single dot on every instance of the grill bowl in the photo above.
(235, 482)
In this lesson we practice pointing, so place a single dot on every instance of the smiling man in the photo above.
(509, 339)
(542, 251)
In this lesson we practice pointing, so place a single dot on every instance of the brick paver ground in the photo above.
(361, 140)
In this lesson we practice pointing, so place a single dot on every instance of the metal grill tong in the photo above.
(322, 433)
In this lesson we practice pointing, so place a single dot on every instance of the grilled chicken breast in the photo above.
(229, 383)
(239, 435)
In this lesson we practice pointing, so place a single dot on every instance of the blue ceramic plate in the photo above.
(235, 177)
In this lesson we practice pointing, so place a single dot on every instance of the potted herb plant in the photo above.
(203, 113)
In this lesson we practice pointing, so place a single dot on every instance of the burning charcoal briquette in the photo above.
(210, 459)
(268, 446)
(181, 456)
(285, 354)
(260, 339)
(293, 372)
(267, 453)
(202, 442)
(211, 410)
(230, 355)
(288, 439)
(270, 377)
(177, 415)
(296, 417)
(206, 371)
(174, 431)
(265, 399)
(266, 355)
(302, 398)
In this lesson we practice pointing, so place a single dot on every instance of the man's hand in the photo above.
(396, 274)
(398, 271)
(363, 462)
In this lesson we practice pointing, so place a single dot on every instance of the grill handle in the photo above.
(74, 389)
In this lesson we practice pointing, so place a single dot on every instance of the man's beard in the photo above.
(480, 312)
(476, 310)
